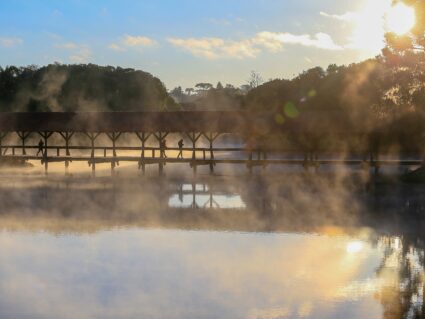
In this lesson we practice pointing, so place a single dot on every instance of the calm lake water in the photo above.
(291, 246)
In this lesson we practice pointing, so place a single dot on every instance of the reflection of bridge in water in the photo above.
(75, 137)
(210, 204)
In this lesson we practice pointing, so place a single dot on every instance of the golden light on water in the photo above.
(400, 19)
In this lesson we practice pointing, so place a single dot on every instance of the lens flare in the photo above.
(400, 19)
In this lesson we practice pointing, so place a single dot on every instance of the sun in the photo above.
(400, 19)
(354, 247)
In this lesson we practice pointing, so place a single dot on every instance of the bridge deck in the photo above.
(200, 162)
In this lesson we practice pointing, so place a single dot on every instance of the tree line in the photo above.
(90, 87)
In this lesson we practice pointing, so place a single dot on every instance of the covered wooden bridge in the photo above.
(253, 128)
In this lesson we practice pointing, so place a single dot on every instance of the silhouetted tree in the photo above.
(189, 91)
(255, 80)
(204, 86)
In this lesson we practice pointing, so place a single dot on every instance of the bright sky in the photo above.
(189, 41)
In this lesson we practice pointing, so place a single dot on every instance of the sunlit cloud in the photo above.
(116, 47)
(134, 41)
(11, 42)
(213, 48)
(129, 41)
(275, 41)
(78, 53)
(347, 16)
(82, 55)
(368, 26)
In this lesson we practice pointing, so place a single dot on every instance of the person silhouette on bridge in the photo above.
(40, 148)
(181, 144)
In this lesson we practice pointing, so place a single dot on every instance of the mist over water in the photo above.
(286, 245)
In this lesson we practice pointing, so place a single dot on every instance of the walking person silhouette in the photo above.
(40, 148)
(181, 144)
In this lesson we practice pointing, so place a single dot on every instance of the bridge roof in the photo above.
(187, 121)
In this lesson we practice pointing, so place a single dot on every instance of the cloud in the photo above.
(10, 42)
(116, 47)
(134, 41)
(129, 41)
(365, 37)
(347, 16)
(275, 41)
(68, 45)
(214, 48)
(79, 53)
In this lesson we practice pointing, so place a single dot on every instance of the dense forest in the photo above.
(89, 87)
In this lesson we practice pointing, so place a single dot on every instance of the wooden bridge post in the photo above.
(262, 151)
(23, 136)
(306, 163)
(162, 156)
(264, 156)
(211, 137)
(316, 162)
(211, 201)
(2, 136)
(92, 161)
(375, 163)
(114, 137)
(194, 138)
(45, 160)
(143, 137)
(310, 160)
(67, 137)
(365, 165)
(249, 146)
(194, 205)
(250, 157)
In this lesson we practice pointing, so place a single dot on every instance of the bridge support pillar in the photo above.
(376, 165)
(194, 137)
(162, 147)
(143, 137)
(45, 160)
(66, 168)
(114, 137)
(315, 160)
(92, 161)
(305, 163)
(211, 137)
(67, 137)
(23, 136)
(249, 164)
(2, 136)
